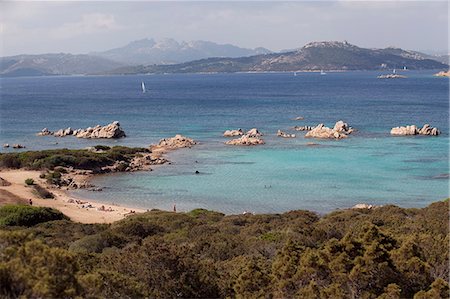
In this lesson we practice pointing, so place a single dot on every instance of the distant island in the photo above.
(314, 56)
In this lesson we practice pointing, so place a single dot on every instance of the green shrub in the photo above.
(21, 215)
(29, 182)
(42, 192)
(102, 147)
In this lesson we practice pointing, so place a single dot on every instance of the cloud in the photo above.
(91, 23)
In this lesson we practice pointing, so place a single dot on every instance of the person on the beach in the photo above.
(30, 201)
(175, 208)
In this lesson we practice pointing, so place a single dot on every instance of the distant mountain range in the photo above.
(169, 51)
(313, 56)
(160, 57)
(54, 64)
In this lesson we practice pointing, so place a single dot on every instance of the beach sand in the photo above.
(18, 192)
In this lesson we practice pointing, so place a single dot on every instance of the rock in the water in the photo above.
(18, 146)
(303, 128)
(6, 145)
(391, 76)
(178, 141)
(342, 127)
(443, 74)
(299, 118)
(109, 131)
(254, 133)
(44, 132)
(414, 130)
(232, 133)
(246, 140)
(285, 135)
(339, 131)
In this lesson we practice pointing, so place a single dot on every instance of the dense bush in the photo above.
(42, 192)
(29, 182)
(80, 159)
(387, 252)
(22, 215)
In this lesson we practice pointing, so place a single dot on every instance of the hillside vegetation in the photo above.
(387, 252)
(76, 158)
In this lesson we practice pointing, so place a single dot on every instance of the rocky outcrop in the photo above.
(364, 206)
(391, 76)
(254, 133)
(233, 133)
(342, 127)
(284, 134)
(6, 145)
(303, 128)
(339, 131)
(414, 130)
(145, 161)
(110, 131)
(44, 132)
(18, 146)
(246, 140)
(443, 74)
(178, 141)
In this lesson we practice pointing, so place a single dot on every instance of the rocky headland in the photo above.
(110, 131)
(339, 131)
(414, 130)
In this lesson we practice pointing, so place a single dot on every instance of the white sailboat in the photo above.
(143, 87)
(322, 72)
(295, 74)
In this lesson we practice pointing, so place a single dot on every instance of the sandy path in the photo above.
(61, 202)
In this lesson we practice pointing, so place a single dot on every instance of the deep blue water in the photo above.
(370, 166)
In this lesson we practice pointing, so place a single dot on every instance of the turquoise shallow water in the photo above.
(282, 175)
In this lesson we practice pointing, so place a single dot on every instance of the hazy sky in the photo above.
(84, 26)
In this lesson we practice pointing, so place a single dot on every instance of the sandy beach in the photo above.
(75, 208)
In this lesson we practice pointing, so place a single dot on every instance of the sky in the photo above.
(35, 27)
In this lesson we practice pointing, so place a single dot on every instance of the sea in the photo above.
(370, 166)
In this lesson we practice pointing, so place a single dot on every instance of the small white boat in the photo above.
(295, 74)
(322, 72)
(143, 87)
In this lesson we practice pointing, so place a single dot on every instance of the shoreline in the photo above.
(73, 207)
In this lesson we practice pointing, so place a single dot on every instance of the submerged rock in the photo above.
(339, 131)
(18, 146)
(285, 135)
(299, 118)
(414, 130)
(232, 133)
